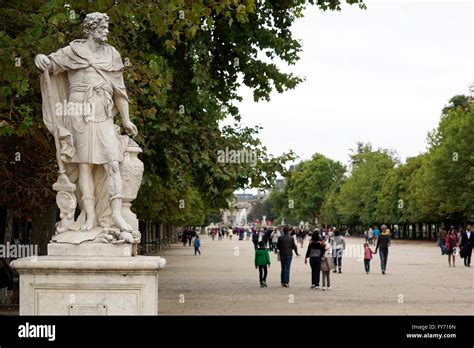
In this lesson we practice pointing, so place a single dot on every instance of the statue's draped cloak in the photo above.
(108, 64)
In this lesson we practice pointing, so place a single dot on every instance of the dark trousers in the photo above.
(367, 265)
(467, 258)
(383, 258)
(196, 250)
(189, 240)
(262, 273)
(255, 244)
(285, 269)
(315, 263)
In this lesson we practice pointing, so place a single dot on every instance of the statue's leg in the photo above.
(86, 184)
(115, 192)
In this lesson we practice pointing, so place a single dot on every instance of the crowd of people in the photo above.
(325, 249)
(325, 252)
(449, 242)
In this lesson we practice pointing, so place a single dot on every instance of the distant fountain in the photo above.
(242, 217)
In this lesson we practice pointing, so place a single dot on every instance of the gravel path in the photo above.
(223, 280)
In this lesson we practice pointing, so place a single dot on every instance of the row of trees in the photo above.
(184, 62)
(433, 187)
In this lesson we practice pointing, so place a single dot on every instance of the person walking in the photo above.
(262, 261)
(184, 237)
(314, 252)
(255, 235)
(197, 245)
(367, 257)
(274, 239)
(383, 243)
(6, 282)
(451, 242)
(370, 236)
(466, 245)
(376, 234)
(442, 239)
(231, 233)
(248, 233)
(338, 246)
(327, 264)
(285, 246)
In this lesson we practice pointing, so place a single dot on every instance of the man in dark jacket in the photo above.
(467, 243)
(255, 239)
(285, 245)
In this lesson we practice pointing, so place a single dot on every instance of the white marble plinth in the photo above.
(93, 285)
(91, 249)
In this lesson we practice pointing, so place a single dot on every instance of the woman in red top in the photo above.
(451, 244)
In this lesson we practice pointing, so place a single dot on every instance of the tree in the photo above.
(309, 183)
(357, 199)
(451, 163)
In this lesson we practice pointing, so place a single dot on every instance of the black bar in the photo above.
(223, 330)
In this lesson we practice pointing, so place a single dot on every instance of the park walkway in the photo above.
(223, 280)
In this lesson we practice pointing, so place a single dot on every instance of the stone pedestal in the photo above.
(81, 283)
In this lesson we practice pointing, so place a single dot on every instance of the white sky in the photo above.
(380, 76)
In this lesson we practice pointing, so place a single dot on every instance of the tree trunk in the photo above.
(429, 231)
(8, 229)
(43, 228)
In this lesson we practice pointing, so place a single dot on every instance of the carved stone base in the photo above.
(74, 285)
(91, 249)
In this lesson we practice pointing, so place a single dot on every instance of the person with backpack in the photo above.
(197, 245)
(262, 261)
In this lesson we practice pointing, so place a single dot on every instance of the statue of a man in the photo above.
(87, 76)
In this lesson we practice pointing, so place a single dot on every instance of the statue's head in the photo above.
(96, 24)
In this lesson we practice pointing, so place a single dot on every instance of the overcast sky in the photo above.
(380, 76)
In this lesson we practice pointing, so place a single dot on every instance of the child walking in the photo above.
(367, 257)
(197, 245)
(262, 259)
(327, 264)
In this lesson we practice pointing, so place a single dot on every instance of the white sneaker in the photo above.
(323, 288)
(328, 288)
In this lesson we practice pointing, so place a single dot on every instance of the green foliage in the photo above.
(357, 199)
(309, 183)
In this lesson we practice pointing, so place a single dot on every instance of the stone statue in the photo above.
(83, 89)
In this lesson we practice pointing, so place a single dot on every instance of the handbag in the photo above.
(462, 253)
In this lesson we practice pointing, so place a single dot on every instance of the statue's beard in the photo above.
(99, 37)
